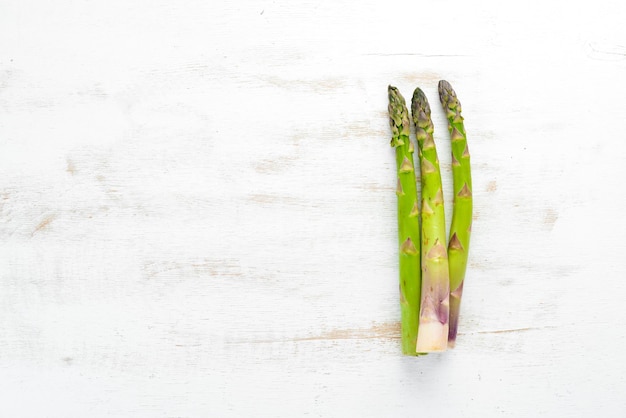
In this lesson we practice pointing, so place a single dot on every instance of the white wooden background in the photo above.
(197, 208)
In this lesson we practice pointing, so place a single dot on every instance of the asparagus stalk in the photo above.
(461, 225)
(433, 319)
(408, 221)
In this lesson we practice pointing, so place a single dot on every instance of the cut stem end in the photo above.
(432, 337)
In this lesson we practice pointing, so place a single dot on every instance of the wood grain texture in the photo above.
(197, 208)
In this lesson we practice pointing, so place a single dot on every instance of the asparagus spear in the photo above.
(461, 225)
(408, 220)
(433, 320)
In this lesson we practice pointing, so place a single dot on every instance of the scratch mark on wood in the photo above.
(421, 78)
(284, 161)
(413, 54)
(376, 187)
(4, 197)
(361, 129)
(95, 91)
(274, 165)
(269, 199)
(296, 138)
(71, 168)
(511, 330)
(485, 134)
(386, 331)
(43, 224)
(321, 85)
(214, 268)
(477, 265)
(606, 52)
(551, 217)
(492, 186)
(506, 331)
(5, 77)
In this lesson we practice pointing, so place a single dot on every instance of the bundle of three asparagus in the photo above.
(431, 276)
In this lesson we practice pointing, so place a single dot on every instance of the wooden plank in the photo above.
(197, 208)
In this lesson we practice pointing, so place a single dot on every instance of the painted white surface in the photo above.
(197, 208)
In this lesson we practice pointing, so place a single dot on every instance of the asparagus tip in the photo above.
(447, 96)
(444, 86)
(420, 109)
(394, 93)
(398, 116)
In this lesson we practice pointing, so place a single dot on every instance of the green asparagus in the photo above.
(433, 318)
(408, 221)
(461, 225)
